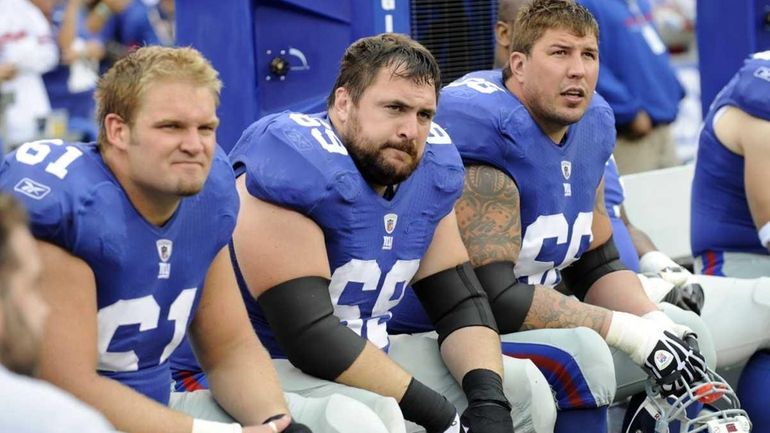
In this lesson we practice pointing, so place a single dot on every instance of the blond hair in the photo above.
(122, 88)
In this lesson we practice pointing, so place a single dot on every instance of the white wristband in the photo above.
(204, 426)
(655, 261)
(764, 235)
(633, 335)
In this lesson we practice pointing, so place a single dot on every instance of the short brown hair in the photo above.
(363, 60)
(121, 89)
(12, 216)
(534, 19)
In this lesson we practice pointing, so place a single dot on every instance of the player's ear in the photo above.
(517, 62)
(117, 130)
(342, 103)
(503, 34)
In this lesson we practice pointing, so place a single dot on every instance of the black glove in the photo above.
(672, 363)
(296, 427)
(687, 297)
(488, 410)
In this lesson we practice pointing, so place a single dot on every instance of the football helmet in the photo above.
(721, 413)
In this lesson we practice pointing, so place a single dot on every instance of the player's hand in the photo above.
(488, 409)
(641, 125)
(7, 71)
(488, 416)
(688, 297)
(672, 362)
(681, 331)
(686, 293)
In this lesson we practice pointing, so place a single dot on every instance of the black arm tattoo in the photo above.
(489, 216)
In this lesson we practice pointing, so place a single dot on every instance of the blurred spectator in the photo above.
(638, 81)
(71, 84)
(28, 405)
(126, 25)
(27, 50)
(161, 14)
(675, 22)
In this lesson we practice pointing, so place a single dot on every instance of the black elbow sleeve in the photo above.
(301, 316)
(510, 299)
(454, 299)
(592, 265)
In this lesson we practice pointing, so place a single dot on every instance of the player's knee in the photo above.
(761, 294)
(595, 365)
(533, 406)
(339, 413)
(345, 414)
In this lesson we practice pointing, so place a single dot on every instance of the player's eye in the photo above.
(424, 115)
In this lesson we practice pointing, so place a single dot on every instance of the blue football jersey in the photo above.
(614, 195)
(557, 182)
(374, 246)
(720, 219)
(148, 278)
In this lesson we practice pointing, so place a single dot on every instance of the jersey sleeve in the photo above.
(286, 163)
(221, 193)
(447, 168)
(752, 90)
(50, 201)
(473, 125)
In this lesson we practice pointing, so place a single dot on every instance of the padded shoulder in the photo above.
(55, 181)
(752, 87)
(477, 111)
(294, 160)
(219, 193)
(444, 159)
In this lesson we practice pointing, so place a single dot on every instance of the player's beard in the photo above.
(372, 164)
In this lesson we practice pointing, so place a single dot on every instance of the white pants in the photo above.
(330, 414)
(327, 406)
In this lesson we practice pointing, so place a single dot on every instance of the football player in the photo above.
(339, 212)
(535, 139)
(133, 232)
(730, 224)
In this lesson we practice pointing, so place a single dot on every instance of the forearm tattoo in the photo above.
(551, 309)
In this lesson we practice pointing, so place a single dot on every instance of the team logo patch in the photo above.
(763, 73)
(390, 222)
(663, 358)
(30, 188)
(165, 247)
(566, 169)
